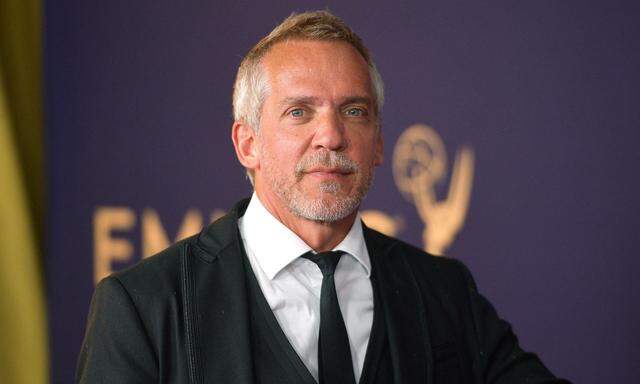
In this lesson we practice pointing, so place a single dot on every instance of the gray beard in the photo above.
(322, 210)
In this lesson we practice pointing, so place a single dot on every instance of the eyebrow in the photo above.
(357, 100)
(310, 100)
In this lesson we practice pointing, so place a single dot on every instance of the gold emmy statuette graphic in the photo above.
(419, 163)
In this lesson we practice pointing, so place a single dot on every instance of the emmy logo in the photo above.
(419, 163)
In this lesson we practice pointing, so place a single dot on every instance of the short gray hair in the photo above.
(251, 86)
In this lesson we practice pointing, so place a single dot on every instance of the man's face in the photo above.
(318, 140)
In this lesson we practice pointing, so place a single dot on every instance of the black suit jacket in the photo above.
(182, 317)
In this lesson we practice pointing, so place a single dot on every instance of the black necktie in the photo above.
(334, 353)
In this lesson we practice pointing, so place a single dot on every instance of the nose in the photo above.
(330, 133)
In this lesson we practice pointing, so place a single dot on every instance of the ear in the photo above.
(379, 148)
(245, 143)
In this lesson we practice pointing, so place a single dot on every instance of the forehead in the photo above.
(334, 68)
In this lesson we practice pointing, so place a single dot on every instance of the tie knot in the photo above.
(326, 261)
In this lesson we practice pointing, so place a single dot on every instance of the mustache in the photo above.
(329, 159)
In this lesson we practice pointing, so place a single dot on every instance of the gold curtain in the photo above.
(23, 335)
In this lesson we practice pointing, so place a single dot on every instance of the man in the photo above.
(291, 287)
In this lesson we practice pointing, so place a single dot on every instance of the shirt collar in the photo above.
(275, 246)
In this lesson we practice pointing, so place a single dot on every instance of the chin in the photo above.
(326, 209)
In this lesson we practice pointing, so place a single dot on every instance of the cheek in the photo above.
(289, 149)
(279, 154)
(365, 151)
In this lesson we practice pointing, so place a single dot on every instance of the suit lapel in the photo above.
(218, 331)
(216, 314)
(403, 309)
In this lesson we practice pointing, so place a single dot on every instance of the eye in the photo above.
(355, 112)
(297, 112)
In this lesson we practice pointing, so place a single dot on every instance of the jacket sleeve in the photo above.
(116, 348)
(501, 359)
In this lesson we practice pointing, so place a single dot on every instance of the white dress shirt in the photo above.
(291, 284)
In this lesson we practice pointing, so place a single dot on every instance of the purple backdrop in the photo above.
(546, 92)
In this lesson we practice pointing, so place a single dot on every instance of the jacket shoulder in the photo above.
(418, 260)
(445, 277)
(161, 273)
(156, 274)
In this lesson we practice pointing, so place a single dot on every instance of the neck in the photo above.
(320, 236)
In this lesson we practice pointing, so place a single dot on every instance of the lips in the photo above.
(328, 171)
(326, 164)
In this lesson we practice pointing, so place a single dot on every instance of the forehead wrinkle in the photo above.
(307, 60)
(303, 70)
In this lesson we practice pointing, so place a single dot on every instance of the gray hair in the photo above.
(251, 86)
